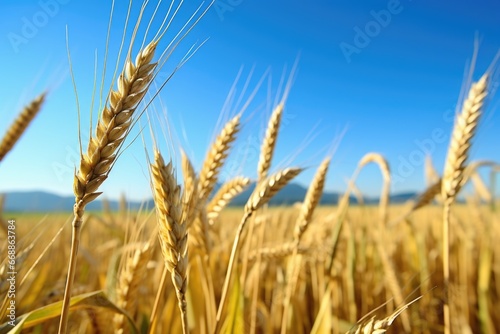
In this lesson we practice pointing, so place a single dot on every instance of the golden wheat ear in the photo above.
(461, 139)
(20, 125)
(172, 228)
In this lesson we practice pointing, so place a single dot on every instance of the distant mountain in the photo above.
(39, 201)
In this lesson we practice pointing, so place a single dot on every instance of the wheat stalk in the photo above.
(112, 128)
(460, 143)
(262, 193)
(172, 229)
(20, 124)
(269, 142)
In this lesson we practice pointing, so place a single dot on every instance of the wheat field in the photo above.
(195, 264)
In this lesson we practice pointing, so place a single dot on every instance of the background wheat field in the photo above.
(193, 260)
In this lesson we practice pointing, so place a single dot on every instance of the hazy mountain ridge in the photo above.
(41, 201)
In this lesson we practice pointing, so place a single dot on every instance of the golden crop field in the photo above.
(194, 264)
(345, 266)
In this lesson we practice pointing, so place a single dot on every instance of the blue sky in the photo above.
(372, 76)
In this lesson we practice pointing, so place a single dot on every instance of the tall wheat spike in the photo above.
(20, 125)
(172, 229)
(458, 150)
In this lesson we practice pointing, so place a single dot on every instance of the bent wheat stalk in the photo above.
(460, 143)
(20, 124)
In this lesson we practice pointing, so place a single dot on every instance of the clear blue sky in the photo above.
(392, 91)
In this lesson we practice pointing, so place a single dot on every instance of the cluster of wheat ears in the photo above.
(288, 270)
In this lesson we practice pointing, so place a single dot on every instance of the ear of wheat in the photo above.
(461, 139)
(216, 157)
(172, 229)
(269, 142)
(224, 195)
(20, 124)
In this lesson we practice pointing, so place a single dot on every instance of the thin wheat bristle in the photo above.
(224, 195)
(20, 124)
(216, 157)
(267, 188)
(172, 230)
(269, 143)
(311, 200)
(461, 138)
